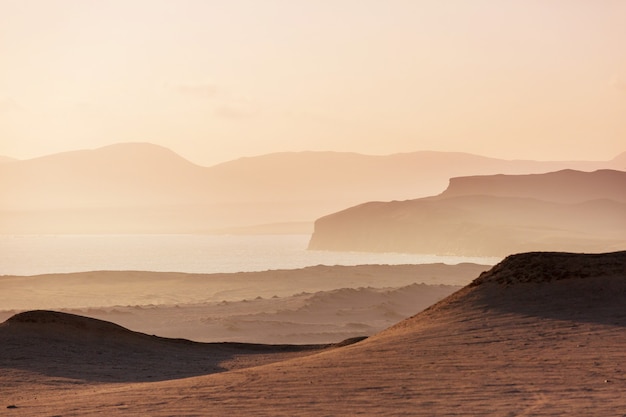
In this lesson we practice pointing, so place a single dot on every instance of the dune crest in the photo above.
(63, 320)
(540, 267)
(52, 344)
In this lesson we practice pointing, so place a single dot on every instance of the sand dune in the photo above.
(144, 288)
(540, 334)
(44, 343)
(67, 337)
(318, 304)
(321, 317)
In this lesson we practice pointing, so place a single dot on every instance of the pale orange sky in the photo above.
(216, 80)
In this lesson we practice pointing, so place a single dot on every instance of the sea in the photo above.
(45, 254)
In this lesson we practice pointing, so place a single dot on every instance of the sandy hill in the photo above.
(490, 216)
(62, 345)
(540, 334)
(140, 187)
(318, 304)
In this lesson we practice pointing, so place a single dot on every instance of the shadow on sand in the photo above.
(562, 286)
(76, 347)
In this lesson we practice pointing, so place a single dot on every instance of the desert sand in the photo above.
(540, 334)
(320, 304)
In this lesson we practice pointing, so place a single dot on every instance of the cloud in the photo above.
(203, 91)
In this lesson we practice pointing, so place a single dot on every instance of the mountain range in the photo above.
(145, 188)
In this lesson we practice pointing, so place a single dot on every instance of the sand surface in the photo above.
(540, 335)
(321, 304)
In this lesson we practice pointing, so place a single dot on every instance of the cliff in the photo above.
(548, 212)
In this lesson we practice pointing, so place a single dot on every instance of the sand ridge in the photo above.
(321, 304)
(49, 353)
(552, 266)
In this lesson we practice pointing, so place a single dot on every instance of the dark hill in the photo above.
(58, 344)
(542, 267)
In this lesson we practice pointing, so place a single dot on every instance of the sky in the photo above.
(218, 80)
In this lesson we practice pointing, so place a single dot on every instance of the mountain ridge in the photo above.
(551, 186)
(578, 212)
(149, 145)
(141, 187)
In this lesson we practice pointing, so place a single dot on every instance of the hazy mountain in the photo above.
(316, 176)
(522, 213)
(567, 186)
(144, 188)
(124, 175)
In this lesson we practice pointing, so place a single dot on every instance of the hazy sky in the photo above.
(215, 80)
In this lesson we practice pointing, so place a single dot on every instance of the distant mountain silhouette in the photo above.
(314, 176)
(490, 216)
(145, 188)
(124, 175)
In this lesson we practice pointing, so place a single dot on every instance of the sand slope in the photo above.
(540, 334)
(320, 304)
(59, 338)
(321, 317)
(60, 350)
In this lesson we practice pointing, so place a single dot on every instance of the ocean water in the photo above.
(42, 254)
